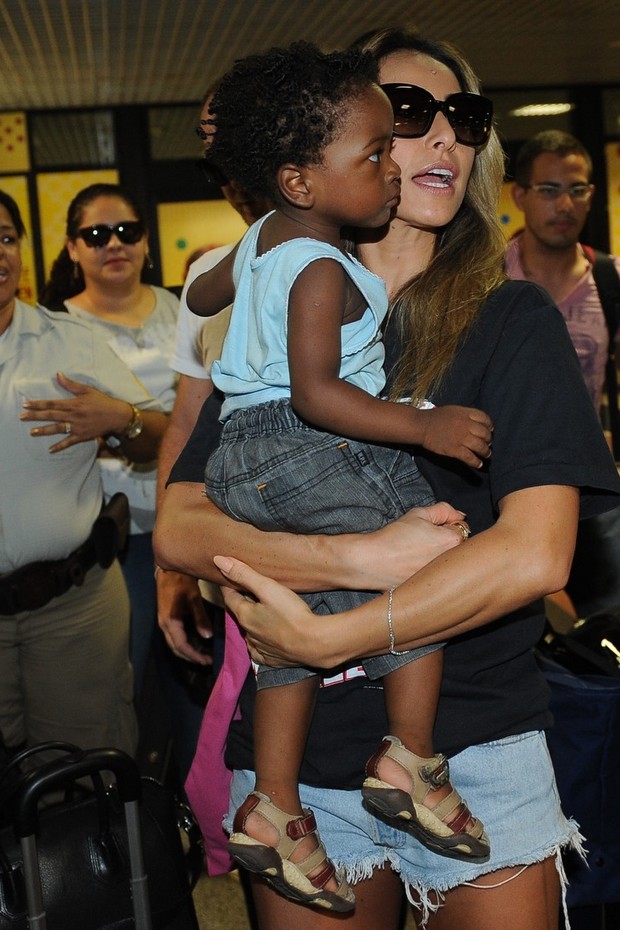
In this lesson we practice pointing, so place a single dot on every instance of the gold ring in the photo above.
(67, 428)
(465, 530)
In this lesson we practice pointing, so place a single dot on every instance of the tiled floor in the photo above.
(220, 903)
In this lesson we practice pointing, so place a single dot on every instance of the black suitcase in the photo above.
(103, 858)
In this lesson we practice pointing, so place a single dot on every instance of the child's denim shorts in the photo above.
(509, 784)
(277, 472)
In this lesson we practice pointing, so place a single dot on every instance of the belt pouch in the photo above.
(111, 529)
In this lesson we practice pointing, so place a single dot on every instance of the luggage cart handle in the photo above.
(64, 771)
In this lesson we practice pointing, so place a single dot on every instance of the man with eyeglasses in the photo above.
(553, 188)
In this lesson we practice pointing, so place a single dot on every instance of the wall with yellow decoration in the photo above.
(509, 214)
(187, 227)
(13, 142)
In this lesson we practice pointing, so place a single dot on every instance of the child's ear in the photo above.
(295, 186)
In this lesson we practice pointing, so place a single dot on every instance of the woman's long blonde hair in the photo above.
(438, 306)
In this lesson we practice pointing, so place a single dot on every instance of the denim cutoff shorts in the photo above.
(277, 472)
(509, 784)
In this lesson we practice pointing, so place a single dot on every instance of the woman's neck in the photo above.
(401, 254)
(127, 305)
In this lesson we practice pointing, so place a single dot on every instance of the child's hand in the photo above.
(460, 432)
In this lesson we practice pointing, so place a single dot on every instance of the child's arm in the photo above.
(321, 397)
(213, 290)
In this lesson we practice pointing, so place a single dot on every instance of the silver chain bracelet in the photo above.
(393, 651)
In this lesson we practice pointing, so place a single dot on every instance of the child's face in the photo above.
(358, 183)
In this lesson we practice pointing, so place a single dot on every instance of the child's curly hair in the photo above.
(282, 106)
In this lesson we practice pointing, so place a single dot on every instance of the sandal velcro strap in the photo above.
(460, 821)
(301, 826)
(321, 878)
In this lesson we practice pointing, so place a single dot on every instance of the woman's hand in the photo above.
(264, 606)
(388, 556)
(87, 415)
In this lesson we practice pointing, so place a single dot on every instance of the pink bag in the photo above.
(208, 782)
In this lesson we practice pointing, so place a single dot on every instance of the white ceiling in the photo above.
(74, 53)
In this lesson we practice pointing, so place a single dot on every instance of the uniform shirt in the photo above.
(49, 501)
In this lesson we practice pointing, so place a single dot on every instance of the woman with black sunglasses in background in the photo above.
(458, 333)
(98, 278)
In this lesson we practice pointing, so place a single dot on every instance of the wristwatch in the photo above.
(131, 431)
(135, 425)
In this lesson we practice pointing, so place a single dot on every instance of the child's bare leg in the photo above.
(282, 718)
(411, 698)
(411, 695)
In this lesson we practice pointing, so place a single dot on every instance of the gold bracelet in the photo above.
(393, 652)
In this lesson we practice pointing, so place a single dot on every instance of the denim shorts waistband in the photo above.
(274, 416)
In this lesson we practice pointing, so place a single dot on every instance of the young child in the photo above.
(301, 369)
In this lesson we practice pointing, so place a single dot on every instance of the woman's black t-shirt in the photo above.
(519, 366)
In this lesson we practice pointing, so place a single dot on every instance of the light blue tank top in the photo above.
(254, 367)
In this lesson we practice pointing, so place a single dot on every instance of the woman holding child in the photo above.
(458, 333)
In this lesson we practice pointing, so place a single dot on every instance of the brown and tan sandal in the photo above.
(273, 863)
(449, 828)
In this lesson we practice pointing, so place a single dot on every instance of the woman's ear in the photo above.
(295, 187)
(71, 249)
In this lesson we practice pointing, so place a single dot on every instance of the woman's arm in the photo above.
(524, 556)
(190, 530)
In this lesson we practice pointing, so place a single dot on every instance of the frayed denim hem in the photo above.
(575, 842)
(427, 901)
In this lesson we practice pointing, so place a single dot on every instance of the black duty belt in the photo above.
(33, 586)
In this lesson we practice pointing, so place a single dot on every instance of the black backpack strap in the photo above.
(607, 283)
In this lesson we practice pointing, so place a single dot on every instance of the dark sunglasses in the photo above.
(470, 115)
(212, 172)
(95, 237)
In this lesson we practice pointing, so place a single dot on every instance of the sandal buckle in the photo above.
(436, 774)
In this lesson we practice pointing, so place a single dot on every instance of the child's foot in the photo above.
(287, 852)
(417, 793)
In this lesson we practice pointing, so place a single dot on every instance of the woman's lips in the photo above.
(439, 176)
